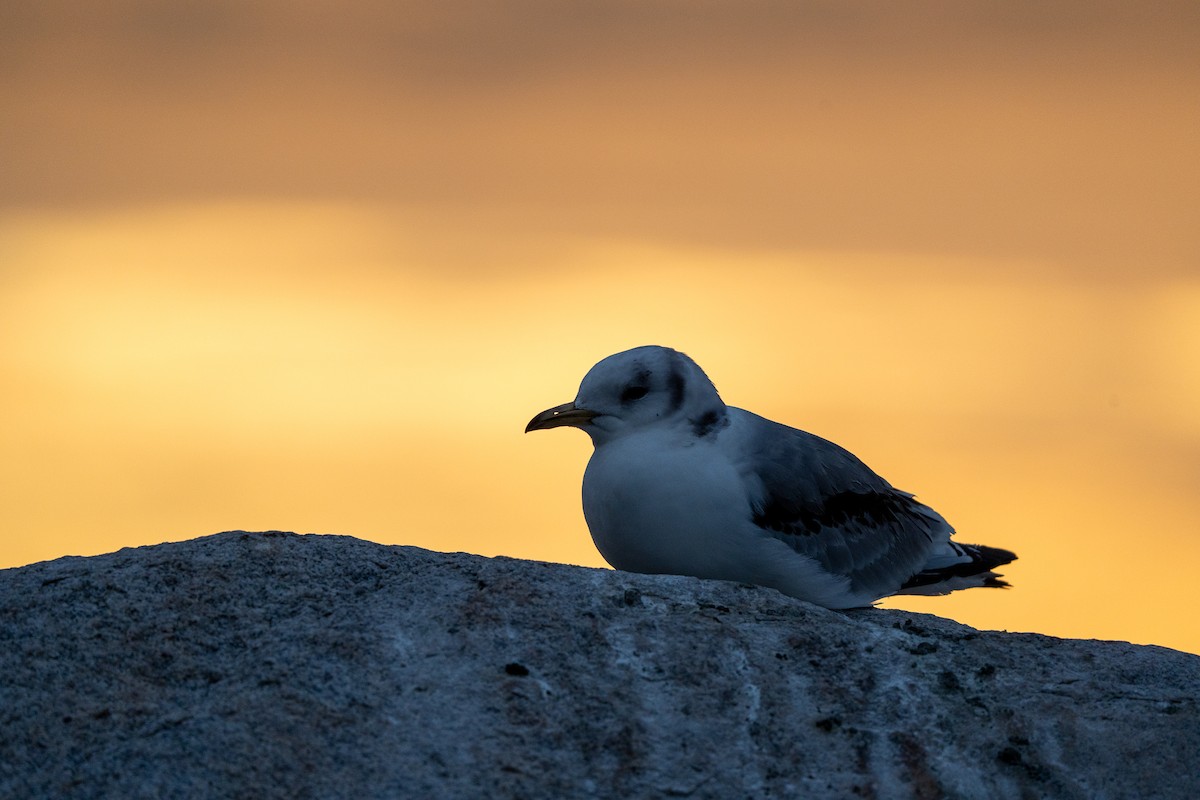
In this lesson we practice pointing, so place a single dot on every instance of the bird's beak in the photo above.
(566, 414)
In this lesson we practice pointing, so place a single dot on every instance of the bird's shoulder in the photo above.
(825, 503)
(801, 484)
(794, 463)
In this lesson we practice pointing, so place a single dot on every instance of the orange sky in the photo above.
(313, 268)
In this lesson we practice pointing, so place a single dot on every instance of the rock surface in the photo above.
(275, 665)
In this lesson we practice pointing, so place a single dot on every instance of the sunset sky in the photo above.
(312, 266)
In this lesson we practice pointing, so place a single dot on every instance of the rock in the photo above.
(276, 665)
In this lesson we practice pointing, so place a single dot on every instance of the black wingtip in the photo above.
(989, 557)
(983, 560)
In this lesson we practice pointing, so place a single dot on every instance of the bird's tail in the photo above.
(959, 566)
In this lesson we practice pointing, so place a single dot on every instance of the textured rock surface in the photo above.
(276, 665)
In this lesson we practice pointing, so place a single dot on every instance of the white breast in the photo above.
(662, 504)
(655, 506)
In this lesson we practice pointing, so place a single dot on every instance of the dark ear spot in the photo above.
(676, 384)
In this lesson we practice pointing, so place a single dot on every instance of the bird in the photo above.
(680, 483)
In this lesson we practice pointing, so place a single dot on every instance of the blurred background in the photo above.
(313, 265)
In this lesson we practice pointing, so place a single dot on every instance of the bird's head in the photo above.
(635, 389)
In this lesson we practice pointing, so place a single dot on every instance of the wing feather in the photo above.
(825, 503)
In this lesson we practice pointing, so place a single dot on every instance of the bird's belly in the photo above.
(664, 510)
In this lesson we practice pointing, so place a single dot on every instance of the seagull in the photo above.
(680, 483)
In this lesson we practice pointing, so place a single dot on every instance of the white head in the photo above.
(635, 389)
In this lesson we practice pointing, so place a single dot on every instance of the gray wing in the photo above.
(825, 503)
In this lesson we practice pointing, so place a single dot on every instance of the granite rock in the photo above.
(276, 665)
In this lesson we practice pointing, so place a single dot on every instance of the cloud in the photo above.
(1061, 133)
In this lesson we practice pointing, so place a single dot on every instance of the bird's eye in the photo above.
(633, 392)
